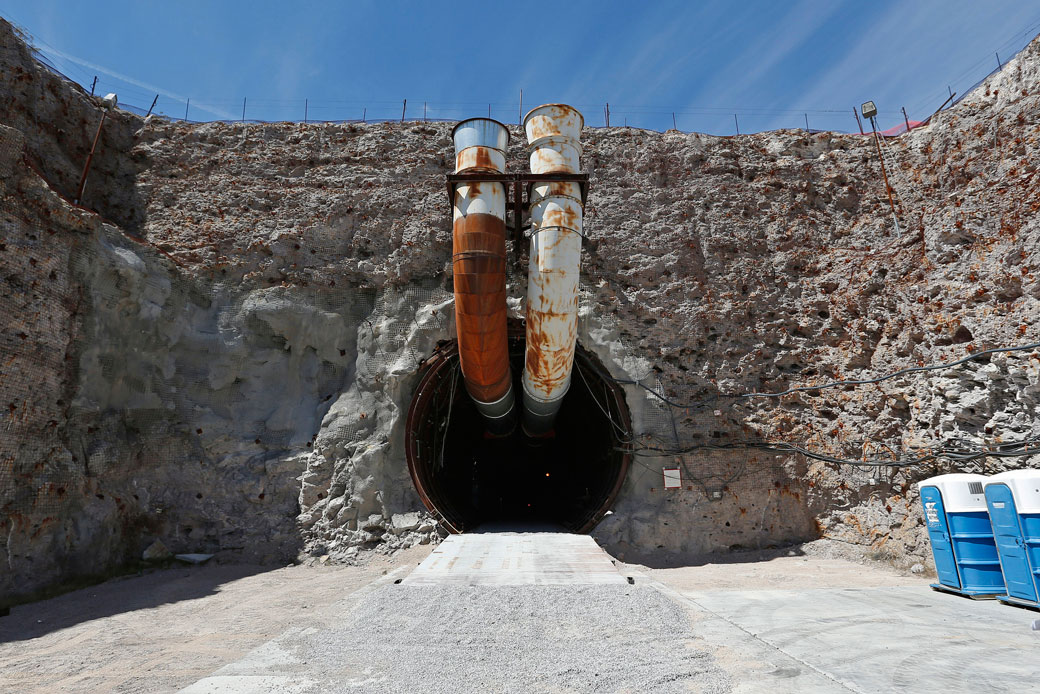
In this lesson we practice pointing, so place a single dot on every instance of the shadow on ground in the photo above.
(120, 595)
(661, 560)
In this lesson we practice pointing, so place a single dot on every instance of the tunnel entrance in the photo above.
(467, 479)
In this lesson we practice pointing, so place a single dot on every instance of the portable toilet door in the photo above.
(960, 505)
(939, 535)
(1013, 499)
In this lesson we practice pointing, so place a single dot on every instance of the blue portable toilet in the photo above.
(958, 524)
(1013, 499)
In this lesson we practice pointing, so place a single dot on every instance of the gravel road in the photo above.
(400, 638)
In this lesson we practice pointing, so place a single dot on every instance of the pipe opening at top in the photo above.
(480, 132)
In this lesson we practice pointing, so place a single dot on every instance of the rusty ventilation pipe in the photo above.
(479, 269)
(553, 132)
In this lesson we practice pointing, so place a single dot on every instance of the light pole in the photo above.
(870, 111)
(108, 103)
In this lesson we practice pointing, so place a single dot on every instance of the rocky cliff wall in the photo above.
(231, 376)
(58, 122)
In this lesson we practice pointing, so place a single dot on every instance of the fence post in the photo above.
(243, 109)
(858, 121)
(305, 111)
(608, 114)
(152, 106)
(1000, 66)
(364, 112)
(404, 107)
(736, 123)
(186, 105)
(520, 110)
(93, 84)
(424, 112)
(673, 121)
(806, 121)
(905, 119)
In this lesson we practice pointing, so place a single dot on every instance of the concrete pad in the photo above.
(754, 666)
(250, 684)
(517, 558)
(889, 639)
(808, 636)
(487, 638)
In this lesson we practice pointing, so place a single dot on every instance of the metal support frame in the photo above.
(518, 195)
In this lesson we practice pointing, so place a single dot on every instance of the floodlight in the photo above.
(110, 101)
(869, 109)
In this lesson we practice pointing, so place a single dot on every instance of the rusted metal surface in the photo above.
(553, 120)
(479, 271)
(424, 421)
(554, 264)
(427, 424)
(537, 186)
(477, 158)
(90, 158)
(570, 189)
(555, 155)
(109, 102)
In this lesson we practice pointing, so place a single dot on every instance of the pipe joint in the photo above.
(540, 414)
(533, 231)
(555, 263)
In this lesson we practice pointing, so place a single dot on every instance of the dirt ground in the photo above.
(777, 569)
(164, 630)
(167, 629)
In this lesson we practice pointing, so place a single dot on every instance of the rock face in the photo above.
(218, 350)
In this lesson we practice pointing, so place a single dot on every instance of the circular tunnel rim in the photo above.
(446, 356)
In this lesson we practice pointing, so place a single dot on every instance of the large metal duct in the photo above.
(479, 269)
(553, 131)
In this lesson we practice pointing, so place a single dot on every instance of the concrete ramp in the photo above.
(517, 558)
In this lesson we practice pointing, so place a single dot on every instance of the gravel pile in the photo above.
(403, 638)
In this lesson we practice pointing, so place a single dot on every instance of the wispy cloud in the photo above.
(876, 65)
(151, 88)
(738, 78)
(870, 67)
(656, 63)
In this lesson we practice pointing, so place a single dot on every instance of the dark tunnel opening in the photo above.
(467, 479)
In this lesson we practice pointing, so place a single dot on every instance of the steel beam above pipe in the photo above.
(479, 272)
(553, 133)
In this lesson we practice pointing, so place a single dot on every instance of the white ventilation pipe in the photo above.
(553, 132)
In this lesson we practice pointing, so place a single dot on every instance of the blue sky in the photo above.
(771, 63)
